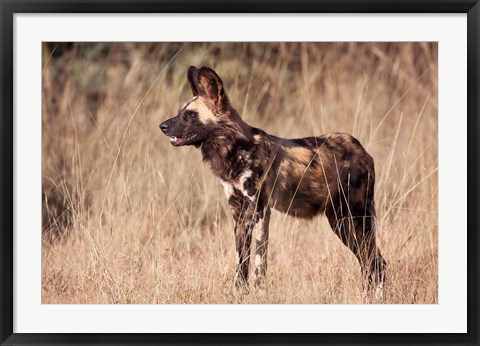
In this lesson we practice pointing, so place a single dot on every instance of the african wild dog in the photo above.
(331, 174)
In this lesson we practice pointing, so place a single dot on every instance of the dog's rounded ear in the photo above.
(211, 86)
(192, 76)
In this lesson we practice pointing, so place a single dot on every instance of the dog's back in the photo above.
(308, 174)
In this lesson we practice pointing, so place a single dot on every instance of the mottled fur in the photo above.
(330, 174)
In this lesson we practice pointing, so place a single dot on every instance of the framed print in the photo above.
(156, 156)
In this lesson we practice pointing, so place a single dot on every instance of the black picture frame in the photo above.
(9, 8)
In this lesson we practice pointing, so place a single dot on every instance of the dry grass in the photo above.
(127, 218)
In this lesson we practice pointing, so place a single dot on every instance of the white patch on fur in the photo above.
(237, 257)
(239, 183)
(227, 188)
(258, 261)
(245, 175)
(259, 233)
(204, 113)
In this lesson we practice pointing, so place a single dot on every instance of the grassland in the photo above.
(127, 218)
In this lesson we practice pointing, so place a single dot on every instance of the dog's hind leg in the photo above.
(356, 229)
(262, 220)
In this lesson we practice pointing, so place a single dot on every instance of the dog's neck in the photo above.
(228, 153)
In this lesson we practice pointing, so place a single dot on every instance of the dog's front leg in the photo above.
(243, 227)
(262, 220)
(243, 241)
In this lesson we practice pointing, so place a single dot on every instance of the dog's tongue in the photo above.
(174, 139)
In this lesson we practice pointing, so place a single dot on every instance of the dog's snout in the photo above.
(167, 124)
(164, 126)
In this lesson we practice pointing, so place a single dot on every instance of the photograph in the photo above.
(239, 172)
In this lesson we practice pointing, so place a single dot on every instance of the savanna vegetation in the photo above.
(127, 218)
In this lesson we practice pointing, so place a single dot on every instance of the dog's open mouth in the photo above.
(182, 140)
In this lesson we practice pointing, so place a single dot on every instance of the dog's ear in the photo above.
(211, 86)
(192, 76)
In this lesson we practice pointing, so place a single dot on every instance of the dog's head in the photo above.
(199, 116)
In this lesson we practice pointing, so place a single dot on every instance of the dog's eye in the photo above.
(191, 114)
